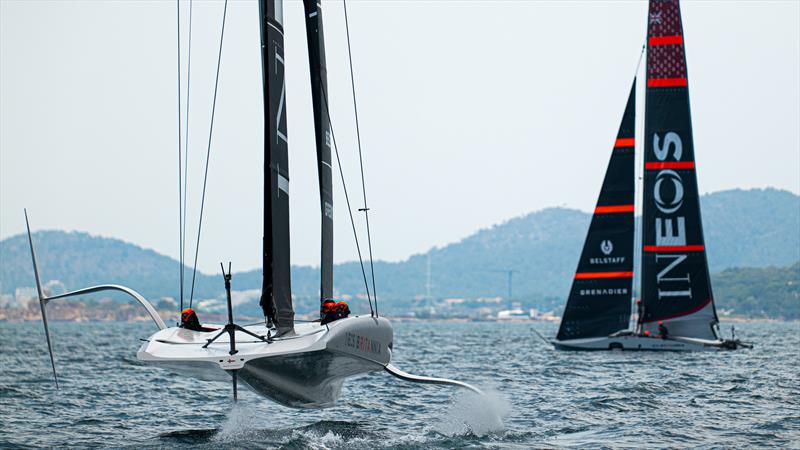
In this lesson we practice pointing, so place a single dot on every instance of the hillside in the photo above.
(759, 292)
(753, 228)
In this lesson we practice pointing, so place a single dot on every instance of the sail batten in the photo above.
(676, 286)
(599, 300)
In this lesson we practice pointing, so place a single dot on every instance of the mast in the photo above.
(276, 294)
(319, 90)
(676, 286)
(599, 301)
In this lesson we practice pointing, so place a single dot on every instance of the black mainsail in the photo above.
(676, 287)
(276, 294)
(319, 90)
(600, 299)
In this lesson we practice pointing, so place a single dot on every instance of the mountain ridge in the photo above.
(743, 228)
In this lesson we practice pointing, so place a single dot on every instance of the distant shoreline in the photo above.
(218, 319)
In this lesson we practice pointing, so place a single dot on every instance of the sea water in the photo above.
(536, 397)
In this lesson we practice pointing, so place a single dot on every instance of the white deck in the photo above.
(631, 342)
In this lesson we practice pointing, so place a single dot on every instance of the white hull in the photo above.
(632, 342)
(305, 370)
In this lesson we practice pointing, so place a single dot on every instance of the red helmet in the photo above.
(328, 306)
(186, 313)
(661, 322)
(647, 333)
(343, 306)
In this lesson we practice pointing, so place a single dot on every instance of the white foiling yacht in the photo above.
(300, 365)
(676, 311)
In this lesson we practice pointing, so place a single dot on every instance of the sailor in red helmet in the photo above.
(662, 330)
(332, 310)
(190, 321)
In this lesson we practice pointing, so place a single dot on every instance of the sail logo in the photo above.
(655, 17)
(670, 177)
(607, 247)
(328, 210)
(668, 196)
(606, 291)
(280, 115)
(607, 260)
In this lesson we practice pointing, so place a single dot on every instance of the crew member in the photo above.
(190, 321)
(344, 309)
(332, 311)
(662, 330)
(329, 311)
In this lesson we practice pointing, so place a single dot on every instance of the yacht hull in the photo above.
(304, 370)
(642, 343)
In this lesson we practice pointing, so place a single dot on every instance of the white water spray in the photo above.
(476, 414)
(240, 421)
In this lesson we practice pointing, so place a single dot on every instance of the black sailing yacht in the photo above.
(300, 365)
(676, 310)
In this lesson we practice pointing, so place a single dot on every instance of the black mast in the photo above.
(276, 294)
(676, 286)
(600, 298)
(319, 90)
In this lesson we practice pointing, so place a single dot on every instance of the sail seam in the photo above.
(667, 82)
(674, 248)
(614, 209)
(669, 165)
(593, 275)
(666, 40)
(624, 142)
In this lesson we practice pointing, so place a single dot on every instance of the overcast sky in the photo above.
(471, 113)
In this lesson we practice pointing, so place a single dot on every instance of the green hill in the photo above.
(743, 228)
(759, 292)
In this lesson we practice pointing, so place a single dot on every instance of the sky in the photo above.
(471, 113)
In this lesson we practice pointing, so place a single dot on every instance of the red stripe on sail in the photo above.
(624, 142)
(674, 248)
(667, 82)
(591, 275)
(684, 314)
(670, 165)
(666, 40)
(613, 209)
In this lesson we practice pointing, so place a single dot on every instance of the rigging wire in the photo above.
(180, 194)
(185, 205)
(347, 197)
(638, 199)
(208, 151)
(365, 209)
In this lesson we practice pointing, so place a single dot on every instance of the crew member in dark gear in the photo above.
(344, 309)
(329, 313)
(332, 311)
(190, 321)
(662, 330)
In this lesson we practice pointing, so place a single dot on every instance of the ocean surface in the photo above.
(538, 397)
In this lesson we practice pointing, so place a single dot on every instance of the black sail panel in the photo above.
(276, 294)
(319, 89)
(676, 287)
(600, 299)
